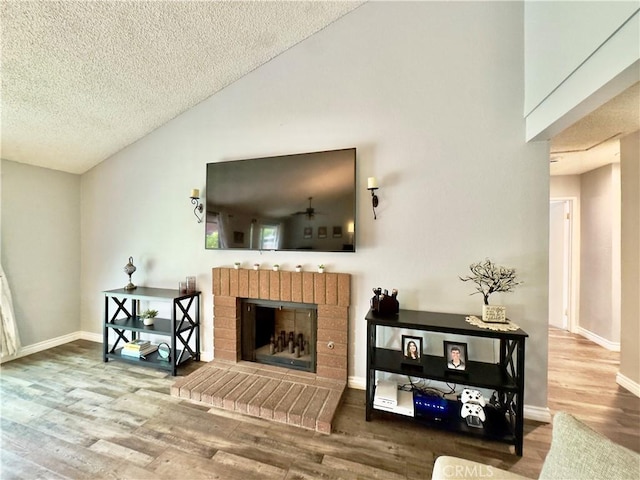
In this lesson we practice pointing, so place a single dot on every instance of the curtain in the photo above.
(10, 337)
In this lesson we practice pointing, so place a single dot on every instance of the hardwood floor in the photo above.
(582, 381)
(66, 414)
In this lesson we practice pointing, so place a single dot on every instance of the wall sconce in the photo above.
(195, 200)
(350, 230)
(372, 186)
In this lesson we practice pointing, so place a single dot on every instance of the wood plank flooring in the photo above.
(582, 381)
(66, 414)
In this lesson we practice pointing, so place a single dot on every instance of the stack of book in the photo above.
(138, 349)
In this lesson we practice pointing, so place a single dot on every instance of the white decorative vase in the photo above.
(276, 268)
(148, 321)
(320, 269)
(255, 267)
(298, 269)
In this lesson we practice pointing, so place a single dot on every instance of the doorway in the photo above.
(560, 265)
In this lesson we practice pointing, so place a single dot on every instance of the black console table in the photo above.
(182, 329)
(504, 418)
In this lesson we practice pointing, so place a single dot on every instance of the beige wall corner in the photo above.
(630, 253)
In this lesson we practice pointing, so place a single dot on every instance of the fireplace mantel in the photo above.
(331, 292)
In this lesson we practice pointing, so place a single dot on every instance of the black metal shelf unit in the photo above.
(503, 422)
(183, 328)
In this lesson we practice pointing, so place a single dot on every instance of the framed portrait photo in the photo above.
(456, 355)
(322, 232)
(411, 348)
(307, 232)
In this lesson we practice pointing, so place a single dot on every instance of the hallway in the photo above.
(582, 381)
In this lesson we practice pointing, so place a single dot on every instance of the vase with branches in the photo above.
(491, 278)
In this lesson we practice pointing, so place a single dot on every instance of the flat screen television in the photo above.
(304, 201)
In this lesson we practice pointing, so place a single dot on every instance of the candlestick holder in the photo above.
(129, 268)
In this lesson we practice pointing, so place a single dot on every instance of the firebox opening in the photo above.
(277, 333)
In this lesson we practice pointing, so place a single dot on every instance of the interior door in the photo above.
(558, 265)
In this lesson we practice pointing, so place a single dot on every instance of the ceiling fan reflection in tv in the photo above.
(310, 212)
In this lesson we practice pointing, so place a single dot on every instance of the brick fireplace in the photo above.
(331, 292)
(304, 399)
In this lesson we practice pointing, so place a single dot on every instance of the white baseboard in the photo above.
(603, 342)
(91, 337)
(41, 346)
(538, 414)
(359, 383)
(628, 384)
(206, 356)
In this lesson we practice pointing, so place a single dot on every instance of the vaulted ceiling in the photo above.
(82, 80)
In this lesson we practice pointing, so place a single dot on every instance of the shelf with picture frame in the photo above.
(506, 377)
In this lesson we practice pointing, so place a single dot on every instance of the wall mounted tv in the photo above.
(303, 202)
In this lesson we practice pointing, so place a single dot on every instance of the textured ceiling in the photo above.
(593, 141)
(82, 80)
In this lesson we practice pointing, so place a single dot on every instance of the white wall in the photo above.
(431, 94)
(578, 55)
(600, 253)
(41, 249)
